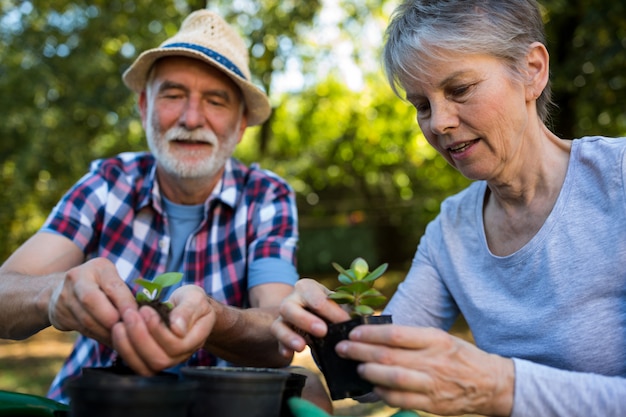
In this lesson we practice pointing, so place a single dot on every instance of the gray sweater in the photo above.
(557, 306)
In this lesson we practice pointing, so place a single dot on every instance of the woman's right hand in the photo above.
(305, 311)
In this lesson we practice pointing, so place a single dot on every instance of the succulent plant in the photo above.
(151, 291)
(357, 290)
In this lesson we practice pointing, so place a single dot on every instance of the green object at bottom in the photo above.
(304, 408)
(18, 404)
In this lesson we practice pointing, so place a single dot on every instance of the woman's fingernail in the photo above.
(317, 328)
(294, 344)
(284, 351)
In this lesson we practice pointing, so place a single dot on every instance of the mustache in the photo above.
(196, 135)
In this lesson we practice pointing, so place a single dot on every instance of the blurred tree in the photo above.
(64, 102)
(587, 43)
(366, 179)
(273, 29)
(365, 165)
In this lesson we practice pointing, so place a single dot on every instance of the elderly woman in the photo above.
(532, 253)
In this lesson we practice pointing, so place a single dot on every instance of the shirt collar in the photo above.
(225, 190)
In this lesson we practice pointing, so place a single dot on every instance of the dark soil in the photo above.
(162, 308)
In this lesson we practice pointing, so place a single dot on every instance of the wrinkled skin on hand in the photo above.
(90, 299)
(431, 370)
(304, 311)
(148, 345)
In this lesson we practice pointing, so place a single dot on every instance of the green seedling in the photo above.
(357, 290)
(150, 292)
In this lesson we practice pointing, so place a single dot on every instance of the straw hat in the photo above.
(204, 35)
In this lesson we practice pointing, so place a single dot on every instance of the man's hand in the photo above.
(90, 299)
(148, 346)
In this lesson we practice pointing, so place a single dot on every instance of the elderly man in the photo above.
(185, 206)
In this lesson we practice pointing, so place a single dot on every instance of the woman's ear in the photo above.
(537, 70)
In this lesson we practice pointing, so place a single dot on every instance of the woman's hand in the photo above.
(428, 369)
(304, 311)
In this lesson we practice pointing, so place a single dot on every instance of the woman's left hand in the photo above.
(428, 369)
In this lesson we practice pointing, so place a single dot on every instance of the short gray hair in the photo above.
(428, 28)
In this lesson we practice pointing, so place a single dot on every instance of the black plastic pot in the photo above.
(236, 391)
(293, 388)
(341, 375)
(107, 392)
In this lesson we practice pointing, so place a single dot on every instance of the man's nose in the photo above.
(192, 116)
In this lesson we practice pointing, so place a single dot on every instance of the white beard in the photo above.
(158, 143)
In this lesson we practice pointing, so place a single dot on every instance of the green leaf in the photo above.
(360, 268)
(152, 289)
(341, 297)
(339, 268)
(168, 279)
(149, 285)
(373, 301)
(346, 272)
(345, 279)
(372, 292)
(357, 287)
(363, 310)
(375, 274)
(141, 297)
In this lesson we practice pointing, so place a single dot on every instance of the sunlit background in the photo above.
(366, 180)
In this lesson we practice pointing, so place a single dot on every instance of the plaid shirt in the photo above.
(115, 211)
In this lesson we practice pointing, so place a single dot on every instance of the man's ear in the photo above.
(537, 70)
(243, 124)
(143, 107)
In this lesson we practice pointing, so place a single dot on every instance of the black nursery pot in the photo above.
(341, 375)
(107, 392)
(293, 388)
(236, 391)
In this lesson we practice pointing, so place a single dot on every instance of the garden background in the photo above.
(367, 182)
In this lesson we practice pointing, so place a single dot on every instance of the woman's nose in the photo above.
(443, 117)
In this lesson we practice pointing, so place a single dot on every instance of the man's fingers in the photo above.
(196, 330)
(124, 346)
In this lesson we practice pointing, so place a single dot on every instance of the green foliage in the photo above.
(65, 104)
(356, 290)
(587, 44)
(152, 290)
(356, 157)
(366, 166)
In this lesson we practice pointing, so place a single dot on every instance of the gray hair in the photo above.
(432, 29)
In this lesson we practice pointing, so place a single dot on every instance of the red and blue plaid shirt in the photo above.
(115, 211)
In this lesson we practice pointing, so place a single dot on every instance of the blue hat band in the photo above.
(210, 54)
